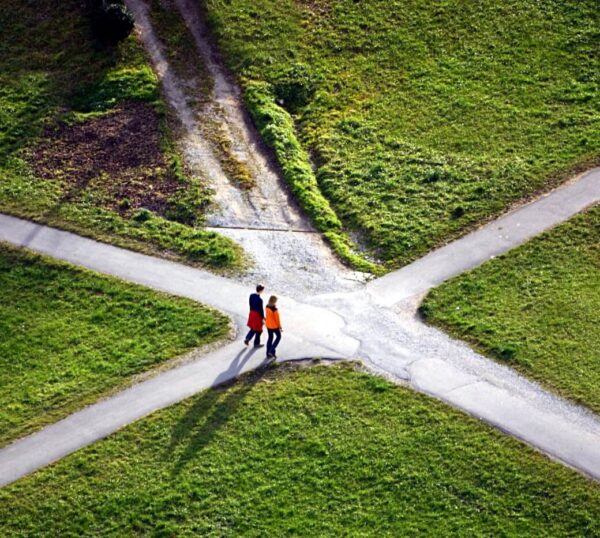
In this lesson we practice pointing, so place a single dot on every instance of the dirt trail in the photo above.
(273, 206)
(288, 255)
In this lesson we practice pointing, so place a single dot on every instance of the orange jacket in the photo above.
(272, 321)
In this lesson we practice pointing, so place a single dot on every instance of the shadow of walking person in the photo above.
(211, 411)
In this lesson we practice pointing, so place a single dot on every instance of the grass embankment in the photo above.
(69, 335)
(326, 451)
(85, 139)
(422, 118)
(536, 308)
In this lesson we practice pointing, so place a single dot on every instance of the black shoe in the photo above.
(246, 342)
(258, 345)
(270, 355)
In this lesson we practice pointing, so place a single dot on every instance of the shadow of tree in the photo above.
(219, 403)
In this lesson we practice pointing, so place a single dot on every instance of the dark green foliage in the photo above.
(294, 87)
(537, 308)
(69, 335)
(127, 84)
(111, 20)
(325, 451)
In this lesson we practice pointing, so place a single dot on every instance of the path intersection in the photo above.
(328, 311)
(375, 324)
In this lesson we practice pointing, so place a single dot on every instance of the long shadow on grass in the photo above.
(209, 413)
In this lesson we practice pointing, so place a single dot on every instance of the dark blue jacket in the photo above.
(256, 304)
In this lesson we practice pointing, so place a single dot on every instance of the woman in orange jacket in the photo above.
(273, 324)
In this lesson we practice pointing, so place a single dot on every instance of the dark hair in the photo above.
(259, 287)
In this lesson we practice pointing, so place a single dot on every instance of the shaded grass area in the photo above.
(55, 82)
(424, 118)
(326, 451)
(69, 335)
(536, 308)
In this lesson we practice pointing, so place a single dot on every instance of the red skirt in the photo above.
(255, 322)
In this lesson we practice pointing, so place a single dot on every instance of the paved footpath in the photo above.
(360, 325)
(510, 230)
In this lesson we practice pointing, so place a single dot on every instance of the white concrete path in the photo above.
(390, 341)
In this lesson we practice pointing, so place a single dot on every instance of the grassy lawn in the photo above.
(86, 143)
(536, 308)
(326, 451)
(69, 335)
(422, 118)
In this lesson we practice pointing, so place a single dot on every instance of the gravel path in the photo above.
(265, 220)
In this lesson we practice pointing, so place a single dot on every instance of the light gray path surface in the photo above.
(491, 240)
(107, 416)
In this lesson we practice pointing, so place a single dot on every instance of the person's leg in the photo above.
(277, 339)
(257, 338)
(249, 336)
(270, 342)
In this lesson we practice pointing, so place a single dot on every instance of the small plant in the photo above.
(141, 215)
(187, 205)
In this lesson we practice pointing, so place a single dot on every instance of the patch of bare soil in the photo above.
(117, 154)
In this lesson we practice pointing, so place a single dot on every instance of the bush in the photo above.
(294, 87)
(111, 20)
(125, 84)
(187, 205)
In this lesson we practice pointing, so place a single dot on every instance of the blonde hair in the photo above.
(272, 300)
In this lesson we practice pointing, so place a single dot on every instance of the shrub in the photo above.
(187, 205)
(111, 20)
(127, 83)
(294, 87)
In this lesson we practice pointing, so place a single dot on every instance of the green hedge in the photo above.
(277, 129)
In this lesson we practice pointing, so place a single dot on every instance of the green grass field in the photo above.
(422, 118)
(326, 451)
(85, 139)
(536, 308)
(69, 335)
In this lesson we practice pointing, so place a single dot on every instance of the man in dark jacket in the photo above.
(256, 317)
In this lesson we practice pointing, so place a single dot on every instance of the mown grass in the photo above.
(425, 118)
(326, 451)
(52, 71)
(536, 308)
(69, 335)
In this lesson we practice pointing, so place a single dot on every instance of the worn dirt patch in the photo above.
(118, 155)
